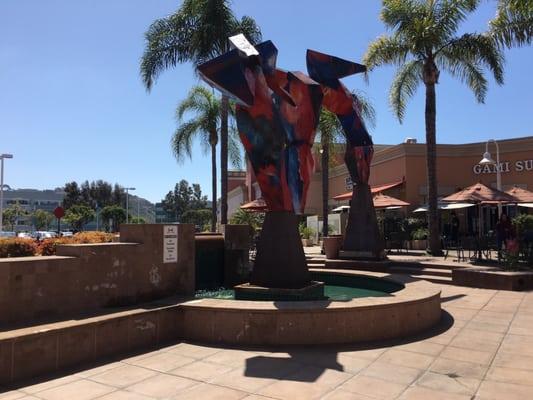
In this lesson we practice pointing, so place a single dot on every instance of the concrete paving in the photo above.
(482, 350)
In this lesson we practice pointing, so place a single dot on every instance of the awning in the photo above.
(373, 189)
(528, 205)
(444, 206)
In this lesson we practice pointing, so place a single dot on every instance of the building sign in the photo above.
(348, 183)
(170, 243)
(503, 167)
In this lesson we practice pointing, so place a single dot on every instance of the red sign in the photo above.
(59, 212)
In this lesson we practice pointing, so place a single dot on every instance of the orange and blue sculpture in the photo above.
(277, 115)
(362, 239)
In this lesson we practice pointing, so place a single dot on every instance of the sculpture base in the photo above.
(280, 260)
(362, 255)
(363, 239)
(312, 291)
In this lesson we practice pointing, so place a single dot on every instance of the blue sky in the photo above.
(72, 106)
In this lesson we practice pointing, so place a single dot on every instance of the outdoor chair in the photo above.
(395, 241)
(454, 245)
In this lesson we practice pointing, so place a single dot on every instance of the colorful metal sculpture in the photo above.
(277, 114)
(362, 238)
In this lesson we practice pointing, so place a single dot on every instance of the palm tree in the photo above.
(196, 32)
(330, 133)
(423, 42)
(206, 126)
(513, 24)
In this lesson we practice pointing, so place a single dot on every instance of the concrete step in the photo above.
(421, 271)
(436, 279)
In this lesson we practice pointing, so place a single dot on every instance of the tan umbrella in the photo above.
(373, 189)
(257, 205)
(480, 193)
(522, 195)
(382, 201)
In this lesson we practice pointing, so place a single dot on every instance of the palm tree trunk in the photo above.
(325, 188)
(431, 164)
(224, 160)
(214, 188)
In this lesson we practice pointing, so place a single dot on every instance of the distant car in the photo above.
(7, 234)
(44, 234)
(67, 233)
(24, 235)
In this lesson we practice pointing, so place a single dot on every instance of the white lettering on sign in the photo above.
(503, 167)
(170, 243)
(240, 42)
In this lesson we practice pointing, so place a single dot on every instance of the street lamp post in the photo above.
(488, 160)
(127, 207)
(2, 156)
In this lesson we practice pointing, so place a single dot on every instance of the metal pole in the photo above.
(127, 218)
(1, 194)
(138, 210)
(498, 176)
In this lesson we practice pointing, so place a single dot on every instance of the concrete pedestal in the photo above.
(362, 240)
(280, 260)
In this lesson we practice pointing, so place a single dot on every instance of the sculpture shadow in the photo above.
(308, 363)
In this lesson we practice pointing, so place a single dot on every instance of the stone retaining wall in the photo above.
(84, 277)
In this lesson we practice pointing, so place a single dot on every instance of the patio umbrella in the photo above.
(373, 189)
(522, 195)
(480, 193)
(257, 205)
(382, 201)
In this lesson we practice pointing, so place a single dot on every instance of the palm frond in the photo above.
(367, 110)
(476, 49)
(198, 99)
(181, 141)
(167, 44)
(404, 86)
(249, 28)
(329, 127)
(471, 74)
(385, 50)
(513, 24)
(234, 147)
(450, 13)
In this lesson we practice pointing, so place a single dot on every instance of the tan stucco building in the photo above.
(401, 169)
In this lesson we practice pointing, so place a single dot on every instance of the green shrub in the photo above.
(419, 234)
(305, 231)
(523, 223)
(17, 247)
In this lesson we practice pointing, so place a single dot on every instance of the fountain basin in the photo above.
(414, 307)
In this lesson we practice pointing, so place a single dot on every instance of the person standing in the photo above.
(455, 223)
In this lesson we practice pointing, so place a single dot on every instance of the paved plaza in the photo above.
(483, 349)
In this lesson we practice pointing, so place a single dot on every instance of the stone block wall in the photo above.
(83, 278)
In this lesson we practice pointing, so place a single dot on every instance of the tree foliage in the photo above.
(112, 216)
(42, 219)
(79, 215)
(424, 39)
(95, 194)
(183, 198)
(11, 214)
(513, 24)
